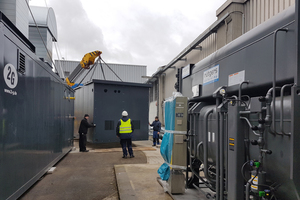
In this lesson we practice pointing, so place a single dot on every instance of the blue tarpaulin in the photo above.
(167, 142)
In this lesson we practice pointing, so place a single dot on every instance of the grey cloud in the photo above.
(77, 35)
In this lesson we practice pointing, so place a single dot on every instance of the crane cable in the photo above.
(98, 60)
(40, 35)
(102, 70)
(111, 69)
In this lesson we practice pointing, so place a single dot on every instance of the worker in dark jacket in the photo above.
(156, 129)
(124, 131)
(83, 128)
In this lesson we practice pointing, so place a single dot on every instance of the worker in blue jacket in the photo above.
(124, 131)
(156, 129)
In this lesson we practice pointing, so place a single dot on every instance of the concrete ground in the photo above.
(92, 175)
(102, 173)
(84, 176)
(139, 181)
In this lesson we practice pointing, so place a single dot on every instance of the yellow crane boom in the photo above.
(87, 60)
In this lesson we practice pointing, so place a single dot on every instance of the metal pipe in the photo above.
(187, 166)
(247, 120)
(218, 102)
(268, 117)
(226, 155)
(205, 146)
(274, 77)
(198, 149)
(240, 91)
(281, 108)
(221, 132)
(247, 190)
(194, 136)
(199, 177)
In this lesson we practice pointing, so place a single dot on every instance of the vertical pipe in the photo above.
(205, 145)
(297, 27)
(240, 91)
(281, 108)
(226, 154)
(218, 102)
(194, 136)
(221, 155)
(274, 77)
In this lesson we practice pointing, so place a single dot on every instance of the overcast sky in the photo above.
(139, 32)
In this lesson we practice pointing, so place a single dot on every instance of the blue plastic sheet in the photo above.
(166, 152)
(167, 142)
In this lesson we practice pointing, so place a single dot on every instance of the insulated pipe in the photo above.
(274, 77)
(281, 108)
(205, 146)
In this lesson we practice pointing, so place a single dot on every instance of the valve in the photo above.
(261, 121)
(254, 163)
(262, 99)
(266, 151)
(254, 142)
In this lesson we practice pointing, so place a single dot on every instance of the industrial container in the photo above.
(105, 101)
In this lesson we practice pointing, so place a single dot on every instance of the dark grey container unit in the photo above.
(36, 127)
(105, 101)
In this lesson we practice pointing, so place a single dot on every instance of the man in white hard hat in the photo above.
(124, 131)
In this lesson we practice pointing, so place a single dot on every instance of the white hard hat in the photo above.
(124, 113)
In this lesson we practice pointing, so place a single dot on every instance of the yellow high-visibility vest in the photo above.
(125, 127)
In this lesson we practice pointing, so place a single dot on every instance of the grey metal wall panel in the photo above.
(128, 73)
(36, 128)
(17, 12)
(110, 99)
(22, 16)
(35, 38)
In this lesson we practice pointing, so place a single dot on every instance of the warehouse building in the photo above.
(234, 18)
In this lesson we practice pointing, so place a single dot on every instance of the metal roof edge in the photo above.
(119, 83)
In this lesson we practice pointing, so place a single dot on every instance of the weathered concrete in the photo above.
(83, 176)
(139, 181)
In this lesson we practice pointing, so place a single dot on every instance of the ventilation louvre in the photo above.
(22, 67)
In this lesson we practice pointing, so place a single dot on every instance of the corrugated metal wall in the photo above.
(128, 73)
(258, 11)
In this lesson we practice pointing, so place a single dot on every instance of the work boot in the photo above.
(132, 156)
(124, 156)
